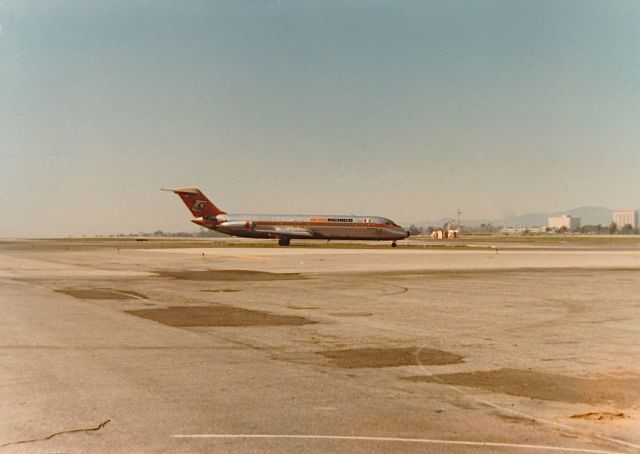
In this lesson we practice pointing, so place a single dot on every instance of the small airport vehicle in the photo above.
(288, 227)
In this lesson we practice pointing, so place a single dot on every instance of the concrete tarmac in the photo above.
(110, 348)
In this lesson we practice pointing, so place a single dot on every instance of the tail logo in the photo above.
(198, 205)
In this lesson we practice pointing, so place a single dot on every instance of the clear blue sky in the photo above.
(407, 109)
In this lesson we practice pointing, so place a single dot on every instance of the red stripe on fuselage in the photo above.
(324, 224)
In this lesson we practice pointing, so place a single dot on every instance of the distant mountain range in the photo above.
(587, 215)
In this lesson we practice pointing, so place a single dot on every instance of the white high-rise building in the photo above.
(622, 218)
(557, 222)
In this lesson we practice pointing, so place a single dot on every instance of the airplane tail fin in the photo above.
(197, 202)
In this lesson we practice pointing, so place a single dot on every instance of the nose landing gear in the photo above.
(394, 244)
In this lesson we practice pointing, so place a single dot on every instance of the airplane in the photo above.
(288, 227)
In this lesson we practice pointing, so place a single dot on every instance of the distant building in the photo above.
(622, 218)
(443, 234)
(557, 222)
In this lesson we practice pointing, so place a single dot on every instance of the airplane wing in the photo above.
(273, 230)
(289, 231)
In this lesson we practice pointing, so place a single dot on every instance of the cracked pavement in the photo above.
(85, 370)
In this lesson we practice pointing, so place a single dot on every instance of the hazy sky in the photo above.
(406, 109)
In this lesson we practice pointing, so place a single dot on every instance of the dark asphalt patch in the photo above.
(217, 315)
(390, 357)
(544, 386)
(600, 416)
(351, 314)
(101, 294)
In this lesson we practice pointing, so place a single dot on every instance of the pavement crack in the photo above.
(90, 429)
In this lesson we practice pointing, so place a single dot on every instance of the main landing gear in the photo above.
(394, 244)
(284, 241)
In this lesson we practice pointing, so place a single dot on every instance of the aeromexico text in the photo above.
(317, 219)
